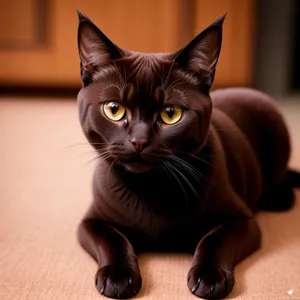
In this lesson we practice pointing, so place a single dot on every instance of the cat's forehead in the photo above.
(150, 70)
(141, 76)
(146, 70)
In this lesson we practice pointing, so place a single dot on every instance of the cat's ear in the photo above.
(95, 48)
(201, 55)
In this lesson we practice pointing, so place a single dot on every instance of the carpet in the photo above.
(45, 188)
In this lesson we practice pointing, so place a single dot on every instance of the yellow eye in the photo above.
(114, 110)
(171, 114)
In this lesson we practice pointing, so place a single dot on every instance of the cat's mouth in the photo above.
(136, 164)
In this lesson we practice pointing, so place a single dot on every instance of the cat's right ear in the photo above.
(95, 48)
(201, 55)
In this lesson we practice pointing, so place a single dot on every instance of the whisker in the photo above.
(173, 85)
(119, 74)
(192, 156)
(196, 175)
(84, 144)
(125, 74)
(189, 166)
(90, 161)
(115, 162)
(85, 154)
(185, 180)
(162, 75)
(196, 172)
(168, 75)
(183, 176)
(168, 168)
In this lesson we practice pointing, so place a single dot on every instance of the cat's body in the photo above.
(181, 170)
(255, 140)
(238, 156)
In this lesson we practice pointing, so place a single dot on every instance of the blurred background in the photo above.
(38, 46)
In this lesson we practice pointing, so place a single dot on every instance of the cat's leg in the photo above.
(118, 274)
(211, 274)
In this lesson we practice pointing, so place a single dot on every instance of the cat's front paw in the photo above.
(210, 282)
(118, 281)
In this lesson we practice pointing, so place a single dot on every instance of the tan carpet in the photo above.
(45, 184)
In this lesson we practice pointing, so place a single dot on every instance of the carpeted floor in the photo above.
(45, 184)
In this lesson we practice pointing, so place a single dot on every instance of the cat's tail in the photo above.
(293, 177)
(282, 196)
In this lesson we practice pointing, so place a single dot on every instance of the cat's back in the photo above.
(256, 115)
(241, 103)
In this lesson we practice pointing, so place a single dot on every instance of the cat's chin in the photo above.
(137, 167)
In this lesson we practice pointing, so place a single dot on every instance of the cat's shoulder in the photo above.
(242, 98)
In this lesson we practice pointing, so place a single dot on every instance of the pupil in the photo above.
(170, 112)
(114, 108)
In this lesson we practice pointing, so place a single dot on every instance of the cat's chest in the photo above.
(158, 234)
(151, 209)
(151, 203)
(142, 209)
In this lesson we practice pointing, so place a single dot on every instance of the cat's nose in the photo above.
(139, 144)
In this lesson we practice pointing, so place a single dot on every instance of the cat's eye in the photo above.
(114, 110)
(171, 114)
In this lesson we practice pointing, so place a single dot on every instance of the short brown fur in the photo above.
(192, 186)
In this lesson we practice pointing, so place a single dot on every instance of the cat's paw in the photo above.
(118, 281)
(210, 282)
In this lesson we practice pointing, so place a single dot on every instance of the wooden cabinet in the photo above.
(38, 38)
(236, 60)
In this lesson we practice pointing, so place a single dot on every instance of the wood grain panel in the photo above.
(147, 26)
(243, 37)
(235, 64)
(23, 25)
(17, 21)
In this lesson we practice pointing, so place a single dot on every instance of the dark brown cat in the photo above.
(179, 169)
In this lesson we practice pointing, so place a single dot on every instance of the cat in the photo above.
(180, 169)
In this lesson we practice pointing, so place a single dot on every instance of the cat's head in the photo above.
(140, 109)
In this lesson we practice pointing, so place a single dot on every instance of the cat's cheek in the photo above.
(116, 124)
(186, 135)
(177, 130)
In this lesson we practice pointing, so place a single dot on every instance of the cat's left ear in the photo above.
(95, 48)
(201, 55)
